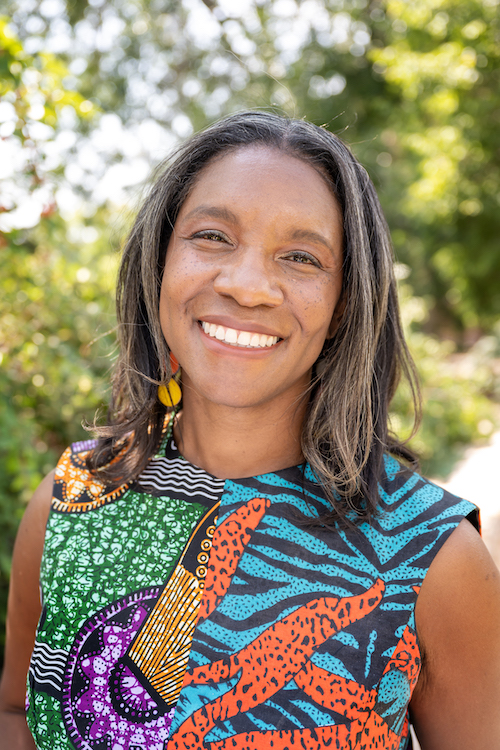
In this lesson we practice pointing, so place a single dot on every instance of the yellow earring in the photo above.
(171, 394)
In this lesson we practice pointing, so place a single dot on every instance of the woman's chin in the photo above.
(246, 397)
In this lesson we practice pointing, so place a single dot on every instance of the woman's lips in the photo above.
(235, 337)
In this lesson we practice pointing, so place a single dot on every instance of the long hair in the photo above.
(346, 432)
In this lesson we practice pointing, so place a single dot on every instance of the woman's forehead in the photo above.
(263, 167)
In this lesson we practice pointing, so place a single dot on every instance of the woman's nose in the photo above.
(248, 278)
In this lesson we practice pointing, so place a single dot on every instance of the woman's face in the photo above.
(252, 278)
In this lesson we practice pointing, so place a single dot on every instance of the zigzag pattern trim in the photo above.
(47, 665)
(177, 476)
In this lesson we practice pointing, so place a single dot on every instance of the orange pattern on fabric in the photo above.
(229, 541)
(283, 653)
(267, 664)
(76, 490)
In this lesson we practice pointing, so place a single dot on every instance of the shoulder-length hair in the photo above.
(346, 432)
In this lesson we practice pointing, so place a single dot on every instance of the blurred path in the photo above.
(477, 479)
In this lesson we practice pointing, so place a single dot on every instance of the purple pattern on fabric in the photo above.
(90, 714)
(83, 445)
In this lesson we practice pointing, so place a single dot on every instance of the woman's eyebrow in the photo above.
(213, 212)
(309, 235)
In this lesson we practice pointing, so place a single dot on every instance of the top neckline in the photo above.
(168, 449)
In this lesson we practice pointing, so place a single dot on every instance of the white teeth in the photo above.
(238, 338)
(244, 338)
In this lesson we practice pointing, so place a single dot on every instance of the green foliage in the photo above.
(49, 306)
(457, 390)
(441, 60)
(56, 317)
(35, 81)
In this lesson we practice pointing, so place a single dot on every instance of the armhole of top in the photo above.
(474, 517)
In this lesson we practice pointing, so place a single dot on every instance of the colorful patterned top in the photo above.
(185, 611)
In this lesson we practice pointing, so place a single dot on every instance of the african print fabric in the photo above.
(184, 611)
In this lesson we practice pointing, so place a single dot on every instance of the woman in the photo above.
(254, 569)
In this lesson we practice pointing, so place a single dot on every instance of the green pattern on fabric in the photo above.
(48, 724)
(96, 557)
(128, 545)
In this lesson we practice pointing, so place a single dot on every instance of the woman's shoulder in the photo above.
(413, 519)
(407, 496)
(36, 514)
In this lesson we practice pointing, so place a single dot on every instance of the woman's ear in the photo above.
(337, 317)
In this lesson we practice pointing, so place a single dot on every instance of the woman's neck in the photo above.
(231, 443)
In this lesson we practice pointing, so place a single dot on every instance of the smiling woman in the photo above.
(248, 298)
(253, 563)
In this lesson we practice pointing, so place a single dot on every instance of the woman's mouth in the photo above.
(245, 339)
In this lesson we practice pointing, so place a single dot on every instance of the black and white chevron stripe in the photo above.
(47, 668)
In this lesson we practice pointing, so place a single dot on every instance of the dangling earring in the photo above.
(171, 394)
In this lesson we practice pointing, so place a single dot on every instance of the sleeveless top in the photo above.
(185, 611)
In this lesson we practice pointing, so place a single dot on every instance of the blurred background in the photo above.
(94, 94)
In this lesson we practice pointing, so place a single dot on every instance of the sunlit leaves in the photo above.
(36, 90)
(441, 60)
(51, 372)
(449, 64)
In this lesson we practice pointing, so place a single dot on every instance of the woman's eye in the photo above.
(304, 258)
(211, 235)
